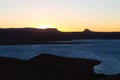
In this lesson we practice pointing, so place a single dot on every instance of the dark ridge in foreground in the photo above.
(50, 67)
(37, 36)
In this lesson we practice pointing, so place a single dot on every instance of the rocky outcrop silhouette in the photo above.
(87, 30)
(50, 67)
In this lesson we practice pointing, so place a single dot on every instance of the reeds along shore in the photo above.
(50, 67)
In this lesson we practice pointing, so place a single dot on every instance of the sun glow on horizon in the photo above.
(64, 15)
(44, 27)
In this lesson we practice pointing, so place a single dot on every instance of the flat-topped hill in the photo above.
(33, 35)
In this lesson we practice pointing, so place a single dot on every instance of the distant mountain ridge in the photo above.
(31, 29)
(33, 35)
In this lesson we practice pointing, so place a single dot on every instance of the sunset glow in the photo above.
(44, 27)
(66, 15)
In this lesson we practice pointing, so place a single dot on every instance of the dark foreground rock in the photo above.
(50, 67)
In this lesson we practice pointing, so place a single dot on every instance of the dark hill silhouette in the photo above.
(57, 60)
(30, 30)
(51, 67)
(37, 36)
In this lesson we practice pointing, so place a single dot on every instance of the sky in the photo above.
(65, 15)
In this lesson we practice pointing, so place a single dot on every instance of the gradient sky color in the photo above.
(66, 15)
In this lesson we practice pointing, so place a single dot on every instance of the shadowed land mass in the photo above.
(51, 67)
(45, 36)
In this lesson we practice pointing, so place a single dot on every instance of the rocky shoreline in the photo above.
(51, 67)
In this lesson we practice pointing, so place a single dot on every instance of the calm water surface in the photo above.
(106, 51)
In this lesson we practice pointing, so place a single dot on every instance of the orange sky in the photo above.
(66, 15)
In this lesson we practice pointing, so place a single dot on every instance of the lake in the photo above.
(106, 51)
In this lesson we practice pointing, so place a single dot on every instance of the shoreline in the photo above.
(46, 67)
